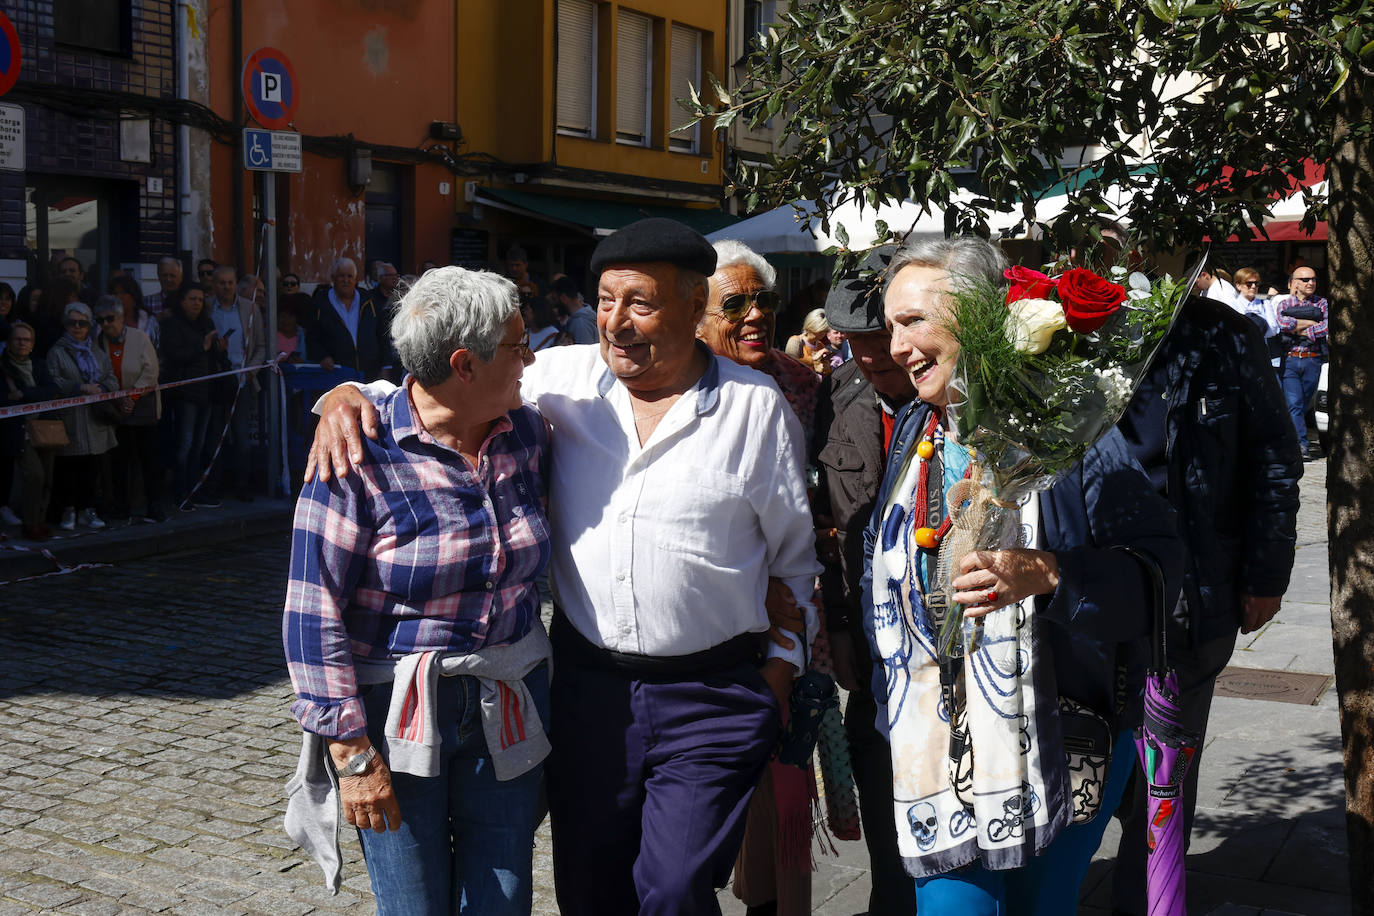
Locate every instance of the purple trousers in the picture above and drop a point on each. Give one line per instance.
(649, 783)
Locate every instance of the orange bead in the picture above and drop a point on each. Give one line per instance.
(927, 539)
(925, 448)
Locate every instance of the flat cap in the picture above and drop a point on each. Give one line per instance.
(855, 303)
(656, 239)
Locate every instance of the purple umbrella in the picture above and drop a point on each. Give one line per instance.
(1166, 750)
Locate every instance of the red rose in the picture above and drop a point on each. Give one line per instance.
(1027, 284)
(1088, 299)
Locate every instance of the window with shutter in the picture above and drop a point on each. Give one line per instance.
(684, 61)
(577, 67)
(633, 79)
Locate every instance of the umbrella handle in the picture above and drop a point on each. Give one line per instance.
(1159, 654)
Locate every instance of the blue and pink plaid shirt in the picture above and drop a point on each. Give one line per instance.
(414, 551)
(1316, 333)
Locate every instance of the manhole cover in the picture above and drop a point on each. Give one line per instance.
(1266, 684)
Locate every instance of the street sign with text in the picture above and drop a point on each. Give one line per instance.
(271, 150)
(11, 138)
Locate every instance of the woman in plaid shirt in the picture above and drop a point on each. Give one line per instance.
(412, 619)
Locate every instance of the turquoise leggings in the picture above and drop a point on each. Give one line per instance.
(1049, 885)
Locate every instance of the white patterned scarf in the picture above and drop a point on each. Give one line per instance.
(1020, 785)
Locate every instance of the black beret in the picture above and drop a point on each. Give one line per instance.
(855, 303)
(656, 239)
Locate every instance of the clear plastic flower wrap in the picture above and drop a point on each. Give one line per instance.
(1031, 394)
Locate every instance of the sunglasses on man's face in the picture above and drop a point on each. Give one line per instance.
(737, 306)
(106, 319)
(291, 284)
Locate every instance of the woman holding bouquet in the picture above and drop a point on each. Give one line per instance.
(990, 819)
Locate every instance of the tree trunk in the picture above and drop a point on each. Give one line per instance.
(1350, 472)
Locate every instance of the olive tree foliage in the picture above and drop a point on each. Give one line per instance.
(1202, 112)
(1199, 116)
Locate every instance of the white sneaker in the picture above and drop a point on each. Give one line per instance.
(91, 520)
(68, 522)
(7, 516)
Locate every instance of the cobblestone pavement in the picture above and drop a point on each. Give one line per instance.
(148, 740)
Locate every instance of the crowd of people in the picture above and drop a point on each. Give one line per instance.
(696, 578)
(1294, 326)
(138, 456)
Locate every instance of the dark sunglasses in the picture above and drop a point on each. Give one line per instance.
(737, 306)
(106, 319)
(77, 324)
(290, 283)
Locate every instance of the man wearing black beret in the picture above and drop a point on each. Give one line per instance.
(854, 418)
(676, 492)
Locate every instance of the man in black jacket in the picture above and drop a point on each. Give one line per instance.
(349, 328)
(1210, 426)
(854, 413)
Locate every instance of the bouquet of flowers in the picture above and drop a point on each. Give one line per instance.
(1045, 369)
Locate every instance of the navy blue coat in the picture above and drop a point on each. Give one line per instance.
(1224, 452)
(1101, 612)
(327, 335)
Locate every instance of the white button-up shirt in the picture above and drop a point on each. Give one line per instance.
(666, 549)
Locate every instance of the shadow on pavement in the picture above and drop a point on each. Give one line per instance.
(200, 623)
(1275, 843)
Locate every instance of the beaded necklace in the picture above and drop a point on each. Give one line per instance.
(926, 538)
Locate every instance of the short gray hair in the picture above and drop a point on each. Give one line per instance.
(79, 307)
(450, 309)
(688, 281)
(340, 262)
(730, 252)
(967, 258)
(108, 304)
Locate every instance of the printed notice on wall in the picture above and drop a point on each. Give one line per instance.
(11, 138)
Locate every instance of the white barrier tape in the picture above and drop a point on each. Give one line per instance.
(48, 555)
(21, 410)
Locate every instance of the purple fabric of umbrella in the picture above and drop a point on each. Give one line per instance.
(1166, 751)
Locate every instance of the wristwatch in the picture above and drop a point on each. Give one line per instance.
(358, 763)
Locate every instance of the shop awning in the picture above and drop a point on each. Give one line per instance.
(599, 217)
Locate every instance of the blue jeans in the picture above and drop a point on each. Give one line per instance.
(466, 841)
(190, 422)
(1049, 885)
(236, 446)
(1301, 374)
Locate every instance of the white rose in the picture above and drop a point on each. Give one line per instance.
(1032, 322)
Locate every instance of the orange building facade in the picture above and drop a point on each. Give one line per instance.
(451, 130)
(373, 76)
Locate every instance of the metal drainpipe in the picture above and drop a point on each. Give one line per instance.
(236, 166)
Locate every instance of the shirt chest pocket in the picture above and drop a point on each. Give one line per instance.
(699, 512)
(841, 455)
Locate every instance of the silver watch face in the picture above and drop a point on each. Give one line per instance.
(358, 762)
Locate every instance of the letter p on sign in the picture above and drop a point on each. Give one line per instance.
(271, 87)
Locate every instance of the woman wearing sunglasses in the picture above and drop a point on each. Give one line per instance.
(741, 320)
(79, 368)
